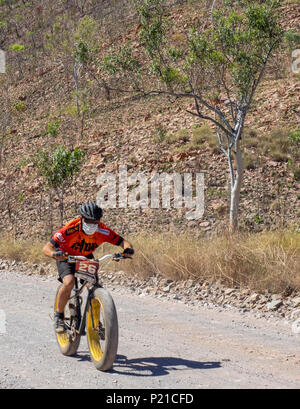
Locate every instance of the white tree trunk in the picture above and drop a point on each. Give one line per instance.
(236, 188)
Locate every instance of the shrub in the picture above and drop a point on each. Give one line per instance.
(294, 137)
(250, 138)
(260, 261)
(251, 161)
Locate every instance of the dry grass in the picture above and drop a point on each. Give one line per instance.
(267, 260)
(262, 261)
(21, 250)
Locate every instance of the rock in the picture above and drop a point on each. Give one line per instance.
(275, 297)
(42, 271)
(166, 289)
(229, 291)
(295, 315)
(253, 298)
(296, 301)
(189, 284)
(273, 305)
(262, 299)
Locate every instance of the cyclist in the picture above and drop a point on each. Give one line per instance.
(79, 237)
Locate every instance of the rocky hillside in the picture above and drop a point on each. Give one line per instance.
(148, 135)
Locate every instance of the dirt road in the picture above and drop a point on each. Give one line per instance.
(163, 344)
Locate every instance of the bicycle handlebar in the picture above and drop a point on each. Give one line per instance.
(114, 256)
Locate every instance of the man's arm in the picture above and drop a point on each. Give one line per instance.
(49, 249)
(126, 245)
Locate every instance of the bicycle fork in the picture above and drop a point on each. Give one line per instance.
(88, 304)
(100, 329)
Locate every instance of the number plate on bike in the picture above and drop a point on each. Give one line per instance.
(87, 270)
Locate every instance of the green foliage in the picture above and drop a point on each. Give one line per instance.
(200, 135)
(175, 53)
(251, 161)
(294, 167)
(120, 60)
(238, 42)
(17, 47)
(20, 106)
(22, 163)
(59, 168)
(292, 39)
(81, 52)
(153, 26)
(160, 133)
(258, 219)
(231, 54)
(181, 135)
(250, 138)
(21, 197)
(3, 2)
(85, 40)
(87, 30)
(294, 136)
(71, 109)
(242, 36)
(279, 145)
(59, 40)
(171, 75)
(52, 128)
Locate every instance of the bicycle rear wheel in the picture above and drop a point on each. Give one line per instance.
(69, 340)
(102, 330)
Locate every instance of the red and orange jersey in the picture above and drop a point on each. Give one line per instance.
(71, 239)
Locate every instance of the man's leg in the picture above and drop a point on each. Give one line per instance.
(65, 292)
(66, 276)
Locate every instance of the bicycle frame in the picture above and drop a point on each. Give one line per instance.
(91, 281)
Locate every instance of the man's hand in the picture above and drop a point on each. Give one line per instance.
(60, 255)
(128, 252)
(51, 251)
(127, 247)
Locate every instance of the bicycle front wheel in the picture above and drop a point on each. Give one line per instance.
(69, 340)
(102, 330)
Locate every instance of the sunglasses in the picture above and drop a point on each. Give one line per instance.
(89, 221)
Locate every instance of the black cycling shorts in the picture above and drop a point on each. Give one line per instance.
(64, 268)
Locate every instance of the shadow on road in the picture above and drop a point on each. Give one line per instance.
(151, 366)
(82, 356)
(157, 366)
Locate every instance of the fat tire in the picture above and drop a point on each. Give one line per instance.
(111, 330)
(69, 347)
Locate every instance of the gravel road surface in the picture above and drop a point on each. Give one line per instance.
(162, 344)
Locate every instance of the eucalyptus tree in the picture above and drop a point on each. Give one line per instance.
(217, 65)
(58, 168)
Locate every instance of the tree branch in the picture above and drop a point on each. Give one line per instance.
(210, 119)
(255, 84)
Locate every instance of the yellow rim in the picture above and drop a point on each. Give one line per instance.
(62, 338)
(93, 335)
